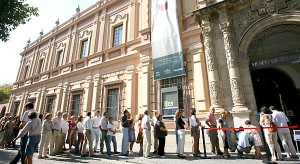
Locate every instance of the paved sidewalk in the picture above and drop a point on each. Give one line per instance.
(171, 158)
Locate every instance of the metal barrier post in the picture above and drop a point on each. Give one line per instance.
(204, 146)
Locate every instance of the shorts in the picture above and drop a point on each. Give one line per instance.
(32, 144)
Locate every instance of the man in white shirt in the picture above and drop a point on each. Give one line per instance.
(87, 124)
(284, 134)
(55, 138)
(96, 131)
(103, 128)
(153, 122)
(146, 134)
(64, 131)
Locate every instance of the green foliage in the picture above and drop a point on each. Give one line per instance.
(5, 92)
(12, 14)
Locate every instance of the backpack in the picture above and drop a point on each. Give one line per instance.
(273, 126)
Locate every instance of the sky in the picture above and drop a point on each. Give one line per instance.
(49, 12)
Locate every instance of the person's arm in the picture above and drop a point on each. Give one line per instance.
(25, 130)
(221, 126)
(207, 121)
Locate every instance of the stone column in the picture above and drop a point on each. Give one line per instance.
(65, 97)
(22, 104)
(86, 101)
(211, 63)
(95, 100)
(58, 98)
(239, 112)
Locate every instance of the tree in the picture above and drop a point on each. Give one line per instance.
(5, 90)
(12, 14)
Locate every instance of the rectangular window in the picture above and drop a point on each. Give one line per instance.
(118, 31)
(83, 52)
(15, 108)
(50, 105)
(59, 58)
(75, 106)
(25, 72)
(112, 103)
(40, 66)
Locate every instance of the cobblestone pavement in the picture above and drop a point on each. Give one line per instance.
(171, 158)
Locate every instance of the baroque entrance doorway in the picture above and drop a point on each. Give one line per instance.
(274, 87)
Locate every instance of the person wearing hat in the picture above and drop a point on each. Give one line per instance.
(146, 134)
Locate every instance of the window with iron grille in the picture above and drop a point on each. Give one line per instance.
(172, 87)
(75, 106)
(113, 103)
(83, 52)
(118, 31)
(59, 58)
(50, 105)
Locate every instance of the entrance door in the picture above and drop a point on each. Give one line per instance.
(112, 103)
(274, 88)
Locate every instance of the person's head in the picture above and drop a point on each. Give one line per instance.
(97, 114)
(32, 115)
(155, 112)
(80, 118)
(272, 108)
(241, 129)
(11, 118)
(129, 115)
(110, 120)
(212, 109)
(248, 122)
(141, 116)
(125, 112)
(29, 105)
(41, 116)
(178, 113)
(59, 114)
(265, 110)
(105, 114)
(146, 112)
(193, 112)
(223, 114)
(88, 114)
(159, 117)
(48, 116)
(65, 116)
(72, 118)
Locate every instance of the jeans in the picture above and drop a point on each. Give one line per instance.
(21, 152)
(113, 139)
(77, 145)
(32, 144)
(96, 136)
(125, 139)
(242, 150)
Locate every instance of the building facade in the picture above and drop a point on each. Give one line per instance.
(238, 56)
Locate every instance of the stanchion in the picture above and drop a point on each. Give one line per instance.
(204, 147)
(267, 148)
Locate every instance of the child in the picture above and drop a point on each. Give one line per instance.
(111, 136)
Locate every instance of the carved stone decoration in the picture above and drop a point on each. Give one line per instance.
(209, 48)
(297, 5)
(230, 55)
(237, 93)
(269, 7)
(215, 93)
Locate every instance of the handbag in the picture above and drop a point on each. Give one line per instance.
(273, 126)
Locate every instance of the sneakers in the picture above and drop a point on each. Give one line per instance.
(130, 152)
(162, 156)
(116, 152)
(147, 156)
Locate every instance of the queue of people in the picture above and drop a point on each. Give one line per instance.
(55, 132)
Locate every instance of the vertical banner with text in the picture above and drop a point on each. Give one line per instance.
(167, 53)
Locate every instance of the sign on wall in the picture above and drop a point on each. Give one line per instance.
(167, 53)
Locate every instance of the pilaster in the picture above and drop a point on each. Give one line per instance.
(103, 23)
(95, 99)
(65, 97)
(58, 98)
(211, 63)
(144, 84)
(87, 97)
(238, 96)
(42, 100)
(10, 103)
(95, 37)
(145, 14)
(132, 21)
(128, 90)
(22, 104)
(37, 101)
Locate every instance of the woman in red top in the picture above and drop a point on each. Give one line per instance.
(72, 132)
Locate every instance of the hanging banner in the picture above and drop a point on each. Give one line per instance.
(167, 56)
